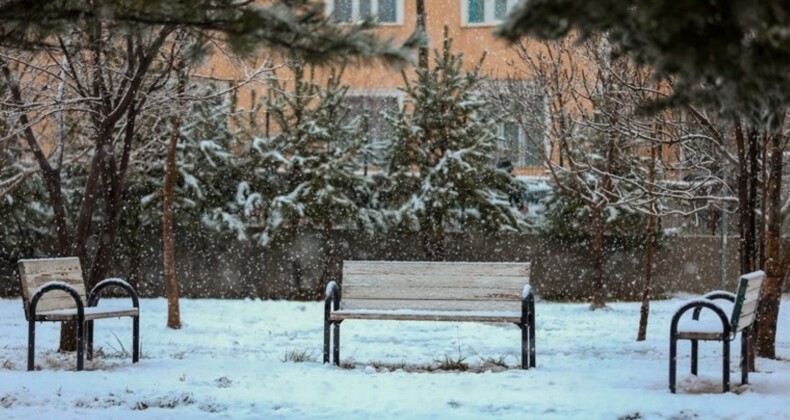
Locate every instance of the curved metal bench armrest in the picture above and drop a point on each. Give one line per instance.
(697, 306)
(332, 296)
(720, 294)
(48, 287)
(95, 294)
(715, 295)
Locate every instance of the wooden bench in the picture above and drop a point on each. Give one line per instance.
(432, 291)
(53, 290)
(720, 328)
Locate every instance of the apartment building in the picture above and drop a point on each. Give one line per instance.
(374, 87)
(470, 23)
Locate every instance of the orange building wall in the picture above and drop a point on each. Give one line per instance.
(470, 40)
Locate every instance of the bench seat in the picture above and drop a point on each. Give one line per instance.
(91, 313)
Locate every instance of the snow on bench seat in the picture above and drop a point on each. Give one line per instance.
(91, 313)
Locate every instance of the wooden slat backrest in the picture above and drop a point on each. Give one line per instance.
(745, 309)
(451, 286)
(36, 272)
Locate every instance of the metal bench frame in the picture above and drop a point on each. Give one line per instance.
(50, 277)
(740, 321)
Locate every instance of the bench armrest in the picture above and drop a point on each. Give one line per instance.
(712, 296)
(332, 299)
(95, 294)
(720, 294)
(55, 285)
(697, 305)
(527, 305)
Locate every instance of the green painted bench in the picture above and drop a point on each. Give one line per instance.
(721, 328)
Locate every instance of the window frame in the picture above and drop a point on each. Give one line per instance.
(489, 13)
(524, 155)
(355, 17)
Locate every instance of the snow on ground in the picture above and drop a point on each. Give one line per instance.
(228, 362)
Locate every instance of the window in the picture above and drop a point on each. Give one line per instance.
(518, 147)
(483, 12)
(386, 11)
(374, 106)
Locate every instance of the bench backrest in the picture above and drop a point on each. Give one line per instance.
(744, 311)
(35, 273)
(450, 286)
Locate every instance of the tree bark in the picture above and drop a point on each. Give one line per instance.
(422, 18)
(768, 312)
(168, 231)
(432, 234)
(598, 293)
(329, 258)
(647, 289)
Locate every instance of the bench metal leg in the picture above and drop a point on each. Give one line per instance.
(31, 344)
(525, 359)
(694, 355)
(327, 333)
(89, 338)
(745, 356)
(135, 339)
(725, 366)
(532, 337)
(80, 345)
(336, 347)
(673, 356)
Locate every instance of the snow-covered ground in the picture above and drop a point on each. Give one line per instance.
(230, 361)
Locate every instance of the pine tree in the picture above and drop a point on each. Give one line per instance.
(314, 163)
(441, 162)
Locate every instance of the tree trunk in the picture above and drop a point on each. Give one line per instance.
(432, 234)
(168, 230)
(422, 60)
(647, 289)
(598, 293)
(747, 176)
(329, 258)
(768, 312)
(168, 233)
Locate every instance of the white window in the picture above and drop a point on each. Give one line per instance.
(485, 12)
(518, 147)
(374, 106)
(386, 11)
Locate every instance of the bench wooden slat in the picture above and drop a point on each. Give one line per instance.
(697, 335)
(355, 291)
(426, 305)
(55, 300)
(436, 269)
(753, 292)
(400, 316)
(439, 281)
(90, 314)
(36, 273)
